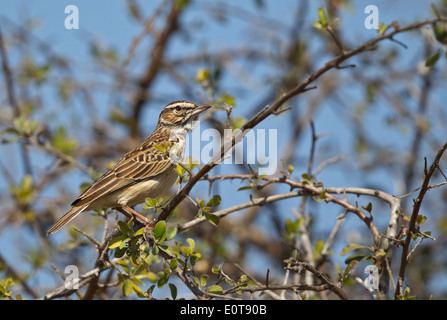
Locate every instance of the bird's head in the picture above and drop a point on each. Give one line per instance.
(180, 114)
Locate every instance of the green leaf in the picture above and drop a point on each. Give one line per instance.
(230, 281)
(352, 246)
(196, 282)
(243, 279)
(212, 218)
(200, 202)
(305, 176)
(180, 4)
(203, 280)
(11, 130)
(63, 143)
(440, 31)
(216, 269)
(24, 193)
(431, 60)
(290, 168)
(318, 198)
(317, 24)
(414, 236)
(175, 251)
(319, 245)
(139, 232)
(420, 219)
(185, 250)
(216, 289)
(238, 122)
(8, 283)
(152, 277)
(137, 290)
(171, 232)
(368, 207)
(119, 252)
(116, 242)
(356, 257)
(166, 249)
(25, 126)
(194, 257)
(163, 148)
(152, 203)
(173, 289)
(214, 201)
(180, 170)
(124, 228)
(163, 278)
(292, 226)
(245, 188)
(380, 253)
(192, 243)
(323, 17)
(203, 74)
(173, 264)
(123, 243)
(426, 234)
(227, 100)
(127, 287)
(382, 28)
(160, 229)
(348, 268)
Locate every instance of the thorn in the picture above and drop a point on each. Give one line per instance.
(267, 278)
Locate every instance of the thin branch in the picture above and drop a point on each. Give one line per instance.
(326, 194)
(328, 243)
(325, 279)
(191, 286)
(266, 286)
(253, 202)
(428, 188)
(7, 74)
(147, 27)
(413, 219)
(57, 153)
(83, 280)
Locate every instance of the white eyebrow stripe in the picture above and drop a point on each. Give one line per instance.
(183, 104)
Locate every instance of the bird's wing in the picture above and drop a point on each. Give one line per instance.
(147, 160)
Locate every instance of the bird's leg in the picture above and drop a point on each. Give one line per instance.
(123, 210)
(149, 223)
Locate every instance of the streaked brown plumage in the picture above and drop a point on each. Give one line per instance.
(144, 172)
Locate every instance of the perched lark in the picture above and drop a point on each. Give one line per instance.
(145, 172)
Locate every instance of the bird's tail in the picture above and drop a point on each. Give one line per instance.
(66, 218)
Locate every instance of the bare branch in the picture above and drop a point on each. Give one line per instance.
(413, 219)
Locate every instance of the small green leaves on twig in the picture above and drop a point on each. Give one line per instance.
(22, 127)
(205, 209)
(322, 23)
(203, 74)
(24, 192)
(358, 256)
(431, 60)
(440, 31)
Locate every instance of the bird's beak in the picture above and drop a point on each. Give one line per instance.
(200, 109)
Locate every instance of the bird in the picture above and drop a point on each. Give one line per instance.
(147, 171)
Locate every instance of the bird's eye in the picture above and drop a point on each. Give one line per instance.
(178, 108)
